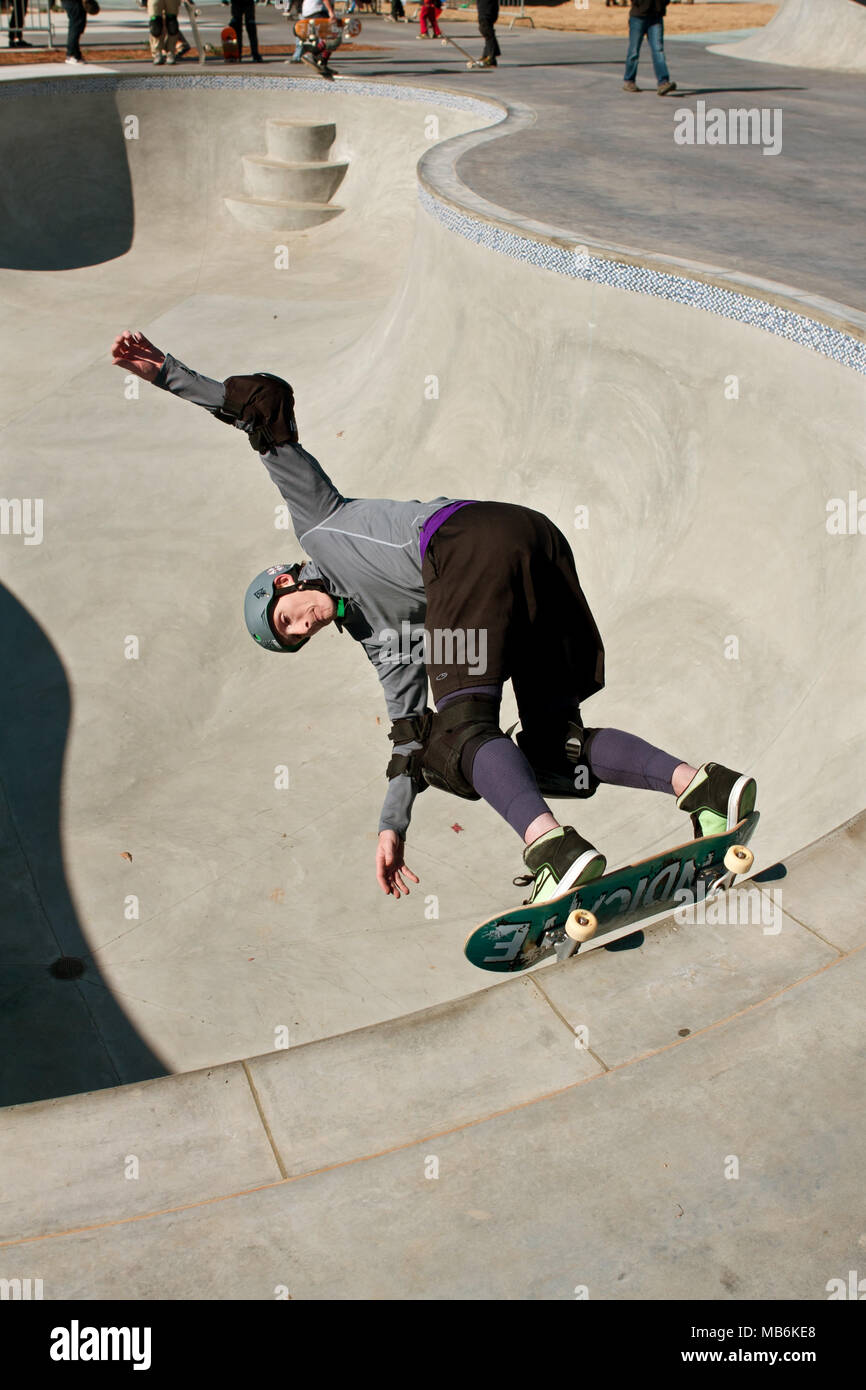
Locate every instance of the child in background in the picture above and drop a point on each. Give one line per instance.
(429, 13)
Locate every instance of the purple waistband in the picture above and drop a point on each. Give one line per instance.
(435, 521)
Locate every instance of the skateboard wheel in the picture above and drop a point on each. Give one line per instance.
(580, 925)
(739, 859)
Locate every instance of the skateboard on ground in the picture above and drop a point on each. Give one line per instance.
(472, 62)
(192, 15)
(614, 905)
(231, 53)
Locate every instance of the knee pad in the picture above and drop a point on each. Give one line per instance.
(460, 729)
(171, 24)
(560, 759)
(155, 26)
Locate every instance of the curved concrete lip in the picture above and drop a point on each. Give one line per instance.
(278, 217)
(664, 1060)
(317, 164)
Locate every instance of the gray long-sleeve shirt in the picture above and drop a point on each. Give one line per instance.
(366, 550)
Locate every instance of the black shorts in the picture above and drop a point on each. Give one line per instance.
(503, 593)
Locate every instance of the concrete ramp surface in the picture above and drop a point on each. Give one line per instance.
(195, 821)
(808, 34)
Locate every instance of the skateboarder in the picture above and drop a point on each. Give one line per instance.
(468, 594)
(307, 50)
(488, 13)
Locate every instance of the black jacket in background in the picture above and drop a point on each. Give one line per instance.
(648, 9)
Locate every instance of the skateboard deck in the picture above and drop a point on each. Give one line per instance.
(231, 53)
(472, 62)
(327, 29)
(192, 15)
(320, 26)
(614, 905)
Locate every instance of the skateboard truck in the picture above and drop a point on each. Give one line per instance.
(580, 925)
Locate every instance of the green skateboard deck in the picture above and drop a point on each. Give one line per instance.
(612, 906)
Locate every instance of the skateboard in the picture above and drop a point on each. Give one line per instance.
(192, 15)
(320, 36)
(327, 29)
(231, 53)
(320, 27)
(473, 62)
(614, 905)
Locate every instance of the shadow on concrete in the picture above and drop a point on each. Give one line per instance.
(730, 91)
(65, 190)
(57, 1035)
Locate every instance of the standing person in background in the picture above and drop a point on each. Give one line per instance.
(164, 29)
(429, 14)
(488, 13)
(16, 25)
(398, 14)
(77, 17)
(244, 11)
(647, 19)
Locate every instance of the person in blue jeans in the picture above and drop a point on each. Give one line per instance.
(647, 20)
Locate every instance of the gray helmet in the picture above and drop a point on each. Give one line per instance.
(261, 596)
(259, 600)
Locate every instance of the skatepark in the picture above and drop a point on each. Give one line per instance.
(189, 825)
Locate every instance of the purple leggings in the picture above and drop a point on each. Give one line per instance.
(503, 776)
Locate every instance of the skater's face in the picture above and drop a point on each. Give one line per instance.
(301, 613)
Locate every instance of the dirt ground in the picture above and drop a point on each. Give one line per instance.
(598, 19)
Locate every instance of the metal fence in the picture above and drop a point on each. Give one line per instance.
(519, 9)
(37, 20)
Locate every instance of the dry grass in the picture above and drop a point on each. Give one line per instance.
(598, 19)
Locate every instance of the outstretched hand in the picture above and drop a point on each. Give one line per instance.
(133, 352)
(390, 866)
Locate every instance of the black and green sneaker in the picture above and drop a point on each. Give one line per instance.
(558, 861)
(717, 799)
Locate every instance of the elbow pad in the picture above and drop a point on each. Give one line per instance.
(267, 404)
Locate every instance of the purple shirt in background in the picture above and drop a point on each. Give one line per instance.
(435, 521)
